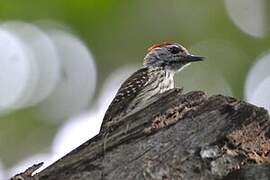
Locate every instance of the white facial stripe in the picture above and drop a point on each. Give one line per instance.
(156, 52)
(170, 46)
(181, 47)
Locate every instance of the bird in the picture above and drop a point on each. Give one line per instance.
(161, 63)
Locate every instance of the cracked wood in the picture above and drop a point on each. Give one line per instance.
(179, 136)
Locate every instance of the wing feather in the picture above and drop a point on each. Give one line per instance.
(126, 94)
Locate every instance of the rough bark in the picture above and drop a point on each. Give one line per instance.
(179, 136)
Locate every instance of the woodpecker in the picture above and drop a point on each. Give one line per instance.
(160, 64)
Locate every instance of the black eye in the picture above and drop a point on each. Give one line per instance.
(174, 50)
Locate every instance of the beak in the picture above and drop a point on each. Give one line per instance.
(193, 58)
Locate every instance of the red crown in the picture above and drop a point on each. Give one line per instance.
(159, 45)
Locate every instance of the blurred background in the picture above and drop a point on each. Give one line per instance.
(61, 63)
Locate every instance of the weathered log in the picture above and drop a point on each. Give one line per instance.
(179, 136)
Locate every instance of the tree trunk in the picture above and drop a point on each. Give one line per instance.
(179, 136)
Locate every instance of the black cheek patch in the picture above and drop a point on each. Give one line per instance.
(174, 50)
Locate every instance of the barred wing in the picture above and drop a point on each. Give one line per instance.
(125, 95)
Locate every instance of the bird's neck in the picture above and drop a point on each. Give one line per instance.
(169, 80)
(169, 74)
(163, 77)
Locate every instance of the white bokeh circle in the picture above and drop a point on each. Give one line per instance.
(261, 95)
(257, 85)
(258, 72)
(248, 15)
(45, 56)
(77, 81)
(18, 71)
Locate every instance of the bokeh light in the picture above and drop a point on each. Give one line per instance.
(261, 95)
(61, 63)
(257, 73)
(77, 78)
(80, 128)
(45, 58)
(249, 16)
(47, 68)
(257, 87)
(2, 172)
(17, 71)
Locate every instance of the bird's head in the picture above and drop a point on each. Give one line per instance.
(171, 56)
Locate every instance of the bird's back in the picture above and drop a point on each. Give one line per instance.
(136, 91)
